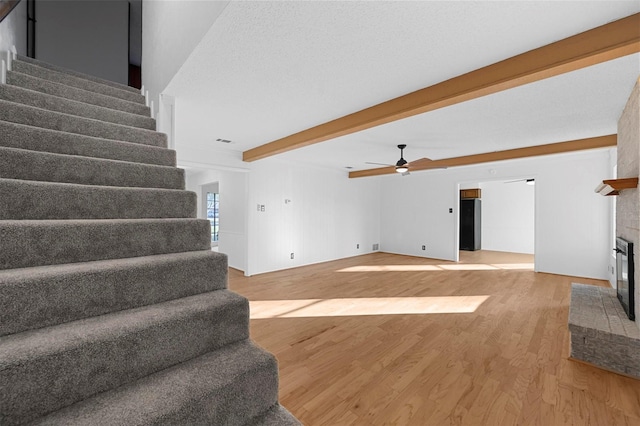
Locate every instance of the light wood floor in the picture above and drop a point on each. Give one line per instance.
(486, 344)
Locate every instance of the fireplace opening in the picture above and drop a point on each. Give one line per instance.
(625, 281)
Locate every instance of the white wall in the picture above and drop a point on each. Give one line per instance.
(170, 32)
(572, 223)
(508, 217)
(326, 217)
(233, 211)
(13, 30)
(328, 214)
(87, 36)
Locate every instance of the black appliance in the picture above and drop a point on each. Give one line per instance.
(470, 224)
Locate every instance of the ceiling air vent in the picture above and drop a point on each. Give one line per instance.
(223, 140)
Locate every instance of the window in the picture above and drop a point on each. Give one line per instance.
(213, 214)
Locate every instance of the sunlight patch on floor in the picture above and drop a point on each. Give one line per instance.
(444, 267)
(261, 309)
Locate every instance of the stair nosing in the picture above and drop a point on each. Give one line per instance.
(81, 136)
(79, 103)
(75, 73)
(80, 118)
(253, 359)
(91, 265)
(97, 159)
(60, 337)
(88, 81)
(84, 90)
(121, 126)
(84, 279)
(90, 186)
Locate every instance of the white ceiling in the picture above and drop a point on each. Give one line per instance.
(268, 69)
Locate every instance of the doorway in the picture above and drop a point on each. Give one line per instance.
(500, 215)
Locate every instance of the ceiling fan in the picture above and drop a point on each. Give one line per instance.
(529, 181)
(402, 166)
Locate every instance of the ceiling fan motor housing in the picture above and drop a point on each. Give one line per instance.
(401, 162)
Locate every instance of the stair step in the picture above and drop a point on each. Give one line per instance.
(276, 416)
(31, 116)
(14, 135)
(80, 83)
(37, 297)
(45, 86)
(51, 368)
(54, 103)
(77, 74)
(27, 243)
(47, 167)
(227, 387)
(33, 200)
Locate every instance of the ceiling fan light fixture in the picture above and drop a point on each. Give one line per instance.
(402, 169)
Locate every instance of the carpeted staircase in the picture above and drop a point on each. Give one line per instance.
(113, 309)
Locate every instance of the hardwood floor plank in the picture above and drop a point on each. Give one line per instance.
(501, 360)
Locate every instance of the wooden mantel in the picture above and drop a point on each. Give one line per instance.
(614, 186)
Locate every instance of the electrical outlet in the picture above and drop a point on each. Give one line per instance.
(450, 210)
(424, 247)
(357, 246)
(291, 255)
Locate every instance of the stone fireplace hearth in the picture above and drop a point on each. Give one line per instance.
(601, 333)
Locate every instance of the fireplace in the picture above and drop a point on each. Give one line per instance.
(625, 282)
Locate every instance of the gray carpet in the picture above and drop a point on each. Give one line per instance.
(113, 309)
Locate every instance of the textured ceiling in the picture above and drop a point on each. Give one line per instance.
(269, 69)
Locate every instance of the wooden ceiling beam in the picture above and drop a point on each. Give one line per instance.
(613, 40)
(510, 154)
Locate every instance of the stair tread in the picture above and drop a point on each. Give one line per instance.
(16, 163)
(61, 200)
(50, 271)
(73, 81)
(31, 82)
(167, 397)
(47, 295)
(16, 349)
(49, 242)
(111, 350)
(42, 100)
(25, 114)
(22, 136)
(77, 73)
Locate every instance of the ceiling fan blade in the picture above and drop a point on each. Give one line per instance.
(421, 162)
(521, 180)
(379, 164)
(424, 164)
